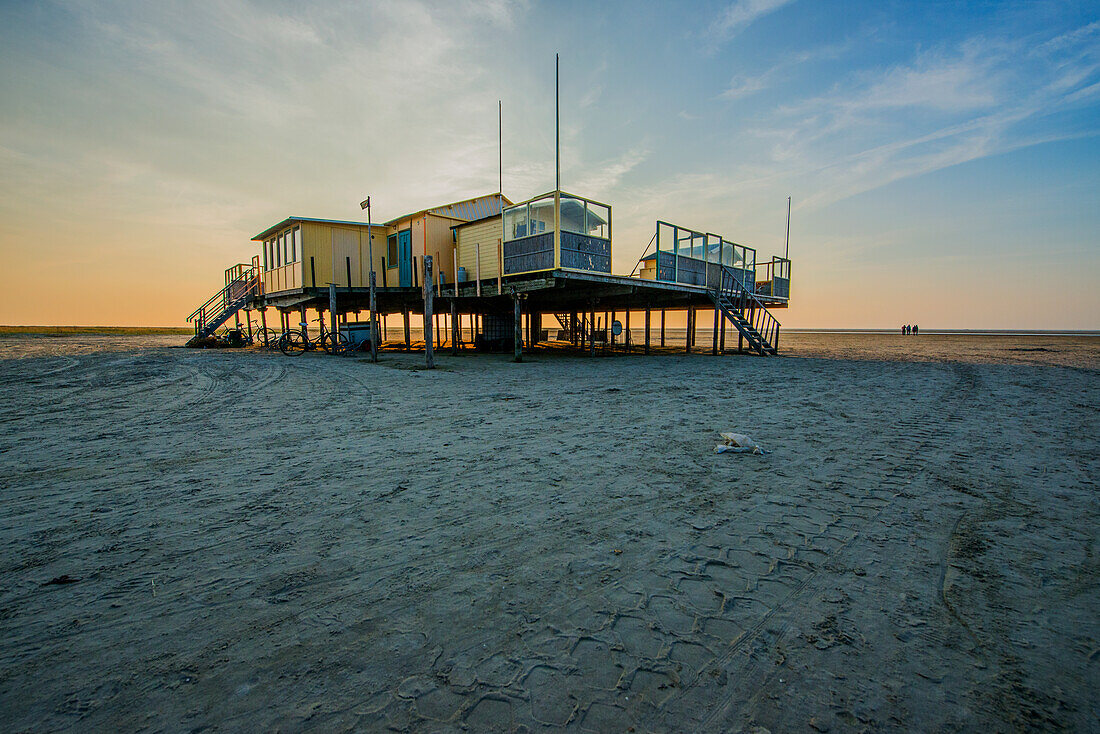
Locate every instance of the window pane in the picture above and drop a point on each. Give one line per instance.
(515, 222)
(714, 248)
(597, 220)
(541, 216)
(666, 237)
(295, 245)
(391, 251)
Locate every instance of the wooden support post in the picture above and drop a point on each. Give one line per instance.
(647, 310)
(248, 320)
(332, 311)
(714, 346)
(517, 335)
(626, 331)
(408, 331)
(456, 272)
(263, 323)
(662, 327)
(384, 268)
(416, 274)
(690, 328)
(592, 335)
(305, 324)
(374, 337)
(722, 336)
(456, 327)
(347, 262)
(429, 356)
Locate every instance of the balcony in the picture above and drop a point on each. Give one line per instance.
(557, 231)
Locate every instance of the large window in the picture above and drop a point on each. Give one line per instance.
(283, 248)
(391, 251)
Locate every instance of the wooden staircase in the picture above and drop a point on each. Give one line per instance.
(738, 303)
(242, 283)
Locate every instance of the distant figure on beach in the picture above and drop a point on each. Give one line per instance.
(914, 330)
(904, 330)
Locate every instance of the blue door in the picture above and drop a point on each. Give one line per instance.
(405, 257)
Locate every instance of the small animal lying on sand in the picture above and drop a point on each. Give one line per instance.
(738, 443)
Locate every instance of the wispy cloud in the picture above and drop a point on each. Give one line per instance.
(942, 108)
(739, 15)
(744, 85)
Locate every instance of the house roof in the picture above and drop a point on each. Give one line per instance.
(290, 220)
(475, 221)
(477, 207)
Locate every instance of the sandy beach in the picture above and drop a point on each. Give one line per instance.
(255, 542)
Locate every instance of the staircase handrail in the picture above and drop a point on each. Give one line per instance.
(763, 321)
(248, 277)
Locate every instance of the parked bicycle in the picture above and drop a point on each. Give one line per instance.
(297, 341)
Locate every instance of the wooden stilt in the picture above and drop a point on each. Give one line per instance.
(626, 331)
(592, 335)
(408, 331)
(722, 336)
(455, 326)
(690, 328)
(647, 312)
(714, 346)
(662, 327)
(429, 355)
(263, 321)
(375, 338)
(517, 336)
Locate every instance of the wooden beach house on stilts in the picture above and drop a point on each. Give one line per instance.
(503, 271)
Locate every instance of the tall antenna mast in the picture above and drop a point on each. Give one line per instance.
(557, 130)
(787, 249)
(500, 148)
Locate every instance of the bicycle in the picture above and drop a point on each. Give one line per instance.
(297, 341)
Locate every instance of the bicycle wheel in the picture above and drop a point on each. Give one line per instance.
(292, 343)
(335, 343)
(268, 337)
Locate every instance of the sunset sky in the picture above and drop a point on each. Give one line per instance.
(943, 158)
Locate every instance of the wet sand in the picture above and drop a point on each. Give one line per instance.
(258, 542)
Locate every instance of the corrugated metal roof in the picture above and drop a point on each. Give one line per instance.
(478, 207)
(476, 221)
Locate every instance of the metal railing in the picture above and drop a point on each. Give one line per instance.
(751, 308)
(242, 282)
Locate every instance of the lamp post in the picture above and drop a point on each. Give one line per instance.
(365, 204)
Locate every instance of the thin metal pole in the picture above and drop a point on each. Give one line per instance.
(557, 129)
(787, 249)
(500, 149)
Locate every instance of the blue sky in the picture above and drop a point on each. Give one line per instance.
(943, 158)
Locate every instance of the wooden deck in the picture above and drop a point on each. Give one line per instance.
(556, 291)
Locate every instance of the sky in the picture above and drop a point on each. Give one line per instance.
(942, 158)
